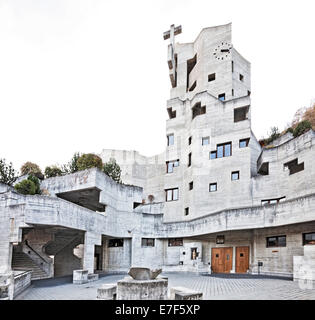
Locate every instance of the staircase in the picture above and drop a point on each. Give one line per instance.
(21, 261)
(60, 242)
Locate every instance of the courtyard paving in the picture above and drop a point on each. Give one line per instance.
(213, 288)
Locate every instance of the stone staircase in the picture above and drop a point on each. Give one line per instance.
(21, 261)
(60, 242)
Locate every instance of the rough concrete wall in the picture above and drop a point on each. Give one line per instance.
(65, 262)
(117, 259)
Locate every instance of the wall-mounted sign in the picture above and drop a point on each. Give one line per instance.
(220, 240)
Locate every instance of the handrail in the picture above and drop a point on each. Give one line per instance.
(25, 242)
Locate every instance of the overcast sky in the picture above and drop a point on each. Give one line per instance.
(87, 75)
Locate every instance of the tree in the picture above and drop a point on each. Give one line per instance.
(26, 186)
(72, 165)
(36, 182)
(112, 169)
(33, 169)
(89, 160)
(7, 173)
(53, 171)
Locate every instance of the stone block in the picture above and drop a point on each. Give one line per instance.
(80, 276)
(139, 273)
(107, 291)
(182, 293)
(130, 289)
(92, 277)
(4, 292)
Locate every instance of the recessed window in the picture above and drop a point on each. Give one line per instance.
(308, 238)
(205, 141)
(232, 66)
(170, 165)
(293, 166)
(224, 150)
(175, 242)
(221, 96)
(232, 92)
(213, 155)
(212, 187)
(211, 77)
(171, 194)
(171, 113)
(241, 77)
(241, 114)
(197, 110)
(186, 211)
(170, 139)
(189, 140)
(189, 159)
(244, 143)
(235, 175)
(264, 169)
(147, 242)
(276, 241)
(115, 243)
(191, 185)
(272, 201)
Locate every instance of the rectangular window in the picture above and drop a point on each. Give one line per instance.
(308, 238)
(115, 243)
(189, 141)
(171, 164)
(170, 139)
(235, 175)
(189, 160)
(186, 211)
(276, 241)
(147, 242)
(191, 185)
(272, 201)
(221, 96)
(171, 194)
(293, 166)
(211, 77)
(244, 143)
(175, 242)
(205, 141)
(212, 187)
(241, 114)
(224, 150)
(171, 113)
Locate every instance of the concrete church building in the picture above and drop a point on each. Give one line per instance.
(213, 200)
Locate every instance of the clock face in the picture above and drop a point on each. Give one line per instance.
(222, 51)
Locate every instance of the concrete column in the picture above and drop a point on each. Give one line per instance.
(234, 260)
(5, 245)
(90, 240)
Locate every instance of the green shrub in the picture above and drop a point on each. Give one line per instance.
(36, 182)
(72, 165)
(301, 128)
(53, 171)
(33, 169)
(7, 173)
(89, 160)
(112, 169)
(289, 130)
(26, 187)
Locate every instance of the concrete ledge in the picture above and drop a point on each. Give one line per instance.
(182, 293)
(80, 276)
(107, 291)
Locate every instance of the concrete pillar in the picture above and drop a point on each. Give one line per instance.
(233, 260)
(90, 240)
(5, 245)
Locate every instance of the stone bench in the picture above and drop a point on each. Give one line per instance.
(92, 277)
(107, 291)
(182, 293)
(83, 276)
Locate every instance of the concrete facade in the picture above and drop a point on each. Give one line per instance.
(213, 187)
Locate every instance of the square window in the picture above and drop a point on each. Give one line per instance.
(221, 96)
(309, 238)
(213, 155)
(211, 77)
(205, 141)
(170, 139)
(235, 175)
(212, 187)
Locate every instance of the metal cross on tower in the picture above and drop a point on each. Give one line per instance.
(170, 34)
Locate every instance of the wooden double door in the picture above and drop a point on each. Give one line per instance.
(222, 260)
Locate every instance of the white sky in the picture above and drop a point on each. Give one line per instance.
(83, 75)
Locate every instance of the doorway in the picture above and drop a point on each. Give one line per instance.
(221, 260)
(242, 259)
